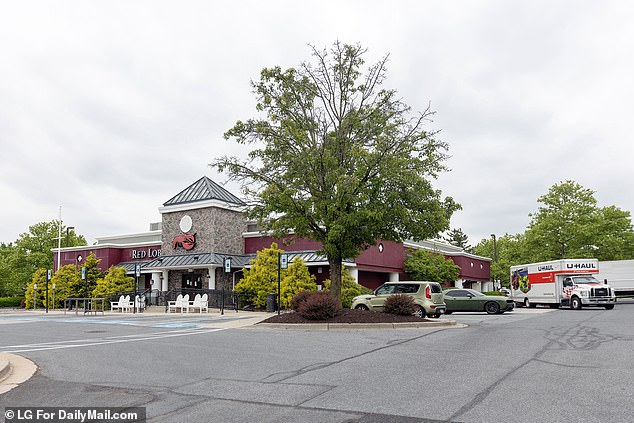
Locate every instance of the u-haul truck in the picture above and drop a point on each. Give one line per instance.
(566, 283)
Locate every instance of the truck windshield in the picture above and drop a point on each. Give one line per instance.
(584, 279)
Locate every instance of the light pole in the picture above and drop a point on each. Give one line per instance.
(59, 238)
(495, 255)
(34, 295)
(68, 228)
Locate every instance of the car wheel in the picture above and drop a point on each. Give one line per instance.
(575, 303)
(361, 307)
(420, 312)
(528, 304)
(492, 307)
(609, 306)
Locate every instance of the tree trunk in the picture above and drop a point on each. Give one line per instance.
(335, 278)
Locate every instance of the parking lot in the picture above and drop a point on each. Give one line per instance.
(537, 365)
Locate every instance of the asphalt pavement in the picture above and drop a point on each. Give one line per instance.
(536, 365)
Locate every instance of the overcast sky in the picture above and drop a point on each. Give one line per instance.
(110, 108)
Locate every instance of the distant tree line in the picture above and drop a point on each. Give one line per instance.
(567, 224)
(20, 259)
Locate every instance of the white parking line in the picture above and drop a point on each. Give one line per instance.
(77, 343)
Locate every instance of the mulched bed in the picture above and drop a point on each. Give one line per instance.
(345, 315)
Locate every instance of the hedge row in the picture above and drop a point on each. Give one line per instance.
(11, 301)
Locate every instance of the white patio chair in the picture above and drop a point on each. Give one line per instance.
(184, 303)
(174, 304)
(117, 305)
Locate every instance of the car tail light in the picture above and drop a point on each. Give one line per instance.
(428, 292)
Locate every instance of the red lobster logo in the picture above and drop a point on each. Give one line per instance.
(187, 241)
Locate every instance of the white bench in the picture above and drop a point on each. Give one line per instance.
(122, 305)
(181, 303)
(200, 303)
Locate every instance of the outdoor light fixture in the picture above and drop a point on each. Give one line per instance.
(68, 228)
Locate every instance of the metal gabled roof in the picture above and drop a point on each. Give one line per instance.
(203, 189)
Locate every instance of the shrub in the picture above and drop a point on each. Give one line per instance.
(296, 278)
(318, 306)
(400, 304)
(11, 301)
(299, 298)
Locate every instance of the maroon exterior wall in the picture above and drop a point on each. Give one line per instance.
(253, 245)
(472, 268)
(373, 280)
(109, 256)
(391, 259)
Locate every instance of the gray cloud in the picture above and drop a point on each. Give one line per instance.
(110, 109)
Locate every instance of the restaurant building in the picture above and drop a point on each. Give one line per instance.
(204, 242)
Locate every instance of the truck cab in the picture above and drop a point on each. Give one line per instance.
(585, 290)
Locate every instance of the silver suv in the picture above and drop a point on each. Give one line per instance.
(428, 296)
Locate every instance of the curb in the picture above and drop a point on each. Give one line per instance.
(5, 369)
(15, 370)
(335, 326)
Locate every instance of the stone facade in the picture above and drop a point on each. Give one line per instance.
(225, 280)
(217, 230)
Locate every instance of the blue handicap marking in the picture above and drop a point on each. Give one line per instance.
(176, 325)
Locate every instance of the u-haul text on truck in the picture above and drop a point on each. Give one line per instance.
(560, 283)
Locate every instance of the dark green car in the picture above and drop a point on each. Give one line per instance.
(461, 299)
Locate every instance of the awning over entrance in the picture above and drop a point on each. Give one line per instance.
(129, 266)
(210, 259)
(202, 259)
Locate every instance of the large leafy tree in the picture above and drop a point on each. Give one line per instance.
(564, 223)
(429, 266)
(33, 250)
(37, 243)
(13, 270)
(338, 158)
(569, 224)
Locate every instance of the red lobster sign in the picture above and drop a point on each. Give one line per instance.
(187, 241)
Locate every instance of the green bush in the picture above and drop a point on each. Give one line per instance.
(318, 306)
(400, 304)
(11, 301)
(501, 294)
(261, 278)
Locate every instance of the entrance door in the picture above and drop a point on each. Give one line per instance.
(192, 281)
